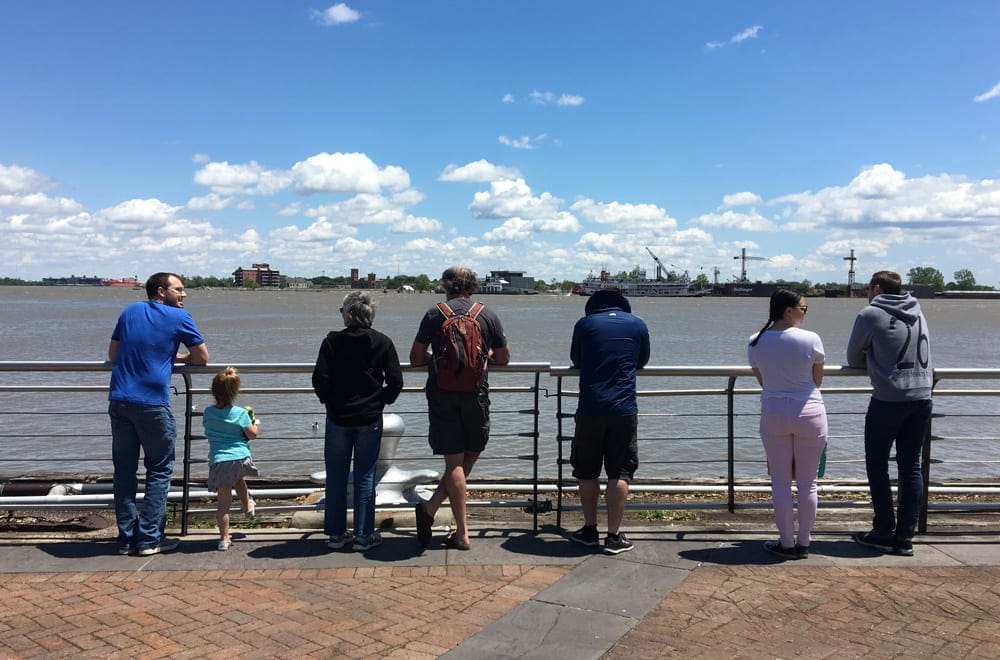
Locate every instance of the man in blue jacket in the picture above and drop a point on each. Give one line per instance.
(609, 346)
(890, 338)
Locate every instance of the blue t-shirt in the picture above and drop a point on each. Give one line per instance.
(609, 346)
(148, 335)
(224, 430)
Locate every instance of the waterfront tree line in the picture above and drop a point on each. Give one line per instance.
(964, 280)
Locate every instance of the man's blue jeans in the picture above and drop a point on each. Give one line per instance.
(341, 441)
(904, 422)
(153, 429)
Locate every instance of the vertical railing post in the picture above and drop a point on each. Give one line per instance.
(731, 443)
(925, 471)
(559, 453)
(534, 463)
(186, 486)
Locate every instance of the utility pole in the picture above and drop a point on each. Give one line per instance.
(850, 274)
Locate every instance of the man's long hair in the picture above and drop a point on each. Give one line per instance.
(459, 281)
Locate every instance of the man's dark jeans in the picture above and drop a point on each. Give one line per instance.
(904, 422)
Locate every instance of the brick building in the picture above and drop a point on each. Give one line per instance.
(261, 274)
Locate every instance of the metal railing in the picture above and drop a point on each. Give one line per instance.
(684, 446)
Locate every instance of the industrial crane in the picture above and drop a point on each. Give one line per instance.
(743, 264)
(660, 268)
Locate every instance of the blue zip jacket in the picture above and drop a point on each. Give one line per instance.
(609, 346)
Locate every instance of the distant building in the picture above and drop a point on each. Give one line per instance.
(261, 274)
(298, 283)
(507, 281)
(370, 283)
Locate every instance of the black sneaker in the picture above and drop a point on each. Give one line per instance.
(902, 547)
(586, 535)
(873, 539)
(775, 548)
(802, 551)
(615, 544)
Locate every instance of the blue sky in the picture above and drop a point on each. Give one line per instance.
(553, 137)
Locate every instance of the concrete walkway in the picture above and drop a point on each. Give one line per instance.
(680, 593)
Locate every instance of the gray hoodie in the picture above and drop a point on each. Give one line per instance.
(890, 338)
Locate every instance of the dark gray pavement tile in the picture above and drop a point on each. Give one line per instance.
(544, 631)
(614, 586)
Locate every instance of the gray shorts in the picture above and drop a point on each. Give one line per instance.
(226, 474)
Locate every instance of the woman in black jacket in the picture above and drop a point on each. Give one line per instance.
(357, 374)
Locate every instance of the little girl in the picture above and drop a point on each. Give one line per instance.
(229, 430)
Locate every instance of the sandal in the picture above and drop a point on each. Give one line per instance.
(452, 543)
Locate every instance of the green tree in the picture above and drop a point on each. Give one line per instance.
(927, 276)
(702, 282)
(964, 280)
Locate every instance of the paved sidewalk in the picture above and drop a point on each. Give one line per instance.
(690, 593)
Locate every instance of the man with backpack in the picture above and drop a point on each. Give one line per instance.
(456, 338)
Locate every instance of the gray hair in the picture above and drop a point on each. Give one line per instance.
(359, 308)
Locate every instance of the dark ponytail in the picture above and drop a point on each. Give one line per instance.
(781, 300)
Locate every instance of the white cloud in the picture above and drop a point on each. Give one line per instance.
(541, 98)
(508, 98)
(412, 224)
(19, 180)
(877, 181)
(991, 94)
(523, 142)
(942, 206)
(749, 33)
(337, 14)
(741, 199)
(201, 159)
(345, 172)
(547, 98)
(752, 221)
(241, 179)
(512, 198)
(624, 215)
(210, 202)
(40, 203)
(138, 213)
(480, 171)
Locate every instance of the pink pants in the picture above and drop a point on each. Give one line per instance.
(794, 435)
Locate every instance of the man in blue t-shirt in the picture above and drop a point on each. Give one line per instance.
(609, 346)
(143, 350)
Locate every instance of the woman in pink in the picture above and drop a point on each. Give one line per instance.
(788, 364)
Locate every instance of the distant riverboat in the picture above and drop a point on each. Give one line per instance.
(638, 286)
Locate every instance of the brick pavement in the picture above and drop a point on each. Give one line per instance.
(350, 612)
(820, 612)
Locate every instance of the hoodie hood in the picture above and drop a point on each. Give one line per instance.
(902, 306)
(607, 299)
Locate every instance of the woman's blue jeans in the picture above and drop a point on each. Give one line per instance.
(905, 424)
(136, 426)
(341, 441)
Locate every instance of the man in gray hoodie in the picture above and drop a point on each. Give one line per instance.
(890, 339)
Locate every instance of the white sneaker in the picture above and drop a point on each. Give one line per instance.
(224, 545)
(165, 545)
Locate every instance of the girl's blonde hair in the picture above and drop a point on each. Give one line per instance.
(225, 387)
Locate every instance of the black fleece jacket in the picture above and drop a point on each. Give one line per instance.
(357, 374)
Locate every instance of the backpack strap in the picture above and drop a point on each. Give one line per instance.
(475, 309)
(447, 311)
